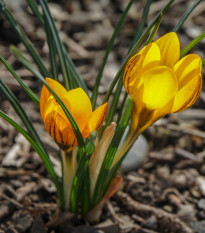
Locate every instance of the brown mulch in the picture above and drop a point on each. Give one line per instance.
(166, 194)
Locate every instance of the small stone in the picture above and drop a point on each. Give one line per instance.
(201, 182)
(186, 213)
(136, 155)
(151, 223)
(201, 204)
(179, 181)
(198, 226)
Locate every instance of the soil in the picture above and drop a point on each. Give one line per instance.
(167, 193)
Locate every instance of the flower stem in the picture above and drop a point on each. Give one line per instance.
(69, 164)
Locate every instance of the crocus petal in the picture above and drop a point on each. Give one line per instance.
(150, 56)
(186, 66)
(80, 107)
(160, 86)
(98, 117)
(170, 49)
(131, 73)
(45, 94)
(188, 72)
(60, 130)
(147, 58)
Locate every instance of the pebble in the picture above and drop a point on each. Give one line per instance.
(201, 203)
(136, 155)
(198, 226)
(201, 182)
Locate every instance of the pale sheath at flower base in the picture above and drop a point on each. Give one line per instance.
(79, 105)
(159, 83)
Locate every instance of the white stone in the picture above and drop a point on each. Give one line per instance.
(136, 155)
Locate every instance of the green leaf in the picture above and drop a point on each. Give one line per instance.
(58, 42)
(86, 193)
(99, 76)
(41, 78)
(35, 10)
(134, 49)
(52, 52)
(38, 149)
(142, 25)
(154, 30)
(26, 62)
(185, 16)
(75, 76)
(80, 176)
(114, 104)
(101, 185)
(25, 86)
(30, 48)
(21, 113)
(191, 45)
(120, 111)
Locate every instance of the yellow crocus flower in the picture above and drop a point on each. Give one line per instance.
(159, 83)
(79, 105)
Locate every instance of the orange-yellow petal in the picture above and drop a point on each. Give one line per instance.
(98, 117)
(60, 130)
(80, 107)
(169, 46)
(147, 58)
(160, 86)
(131, 73)
(45, 94)
(188, 72)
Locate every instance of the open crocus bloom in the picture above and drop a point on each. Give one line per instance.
(160, 82)
(79, 105)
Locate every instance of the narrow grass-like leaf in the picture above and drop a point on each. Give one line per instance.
(30, 48)
(143, 23)
(58, 43)
(135, 38)
(75, 76)
(114, 104)
(35, 10)
(154, 30)
(52, 52)
(185, 16)
(77, 191)
(86, 193)
(21, 113)
(99, 76)
(191, 45)
(38, 149)
(41, 78)
(133, 51)
(203, 62)
(26, 62)
(119, 113)
(25, 86)
(104, 171)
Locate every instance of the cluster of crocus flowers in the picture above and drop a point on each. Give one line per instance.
(79, 105)
(159, 83)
